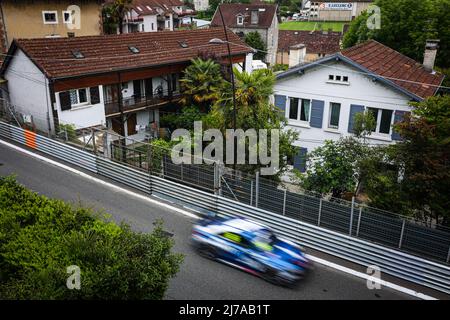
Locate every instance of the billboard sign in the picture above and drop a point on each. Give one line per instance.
(336, 6)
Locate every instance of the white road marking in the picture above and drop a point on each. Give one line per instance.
(191, 215)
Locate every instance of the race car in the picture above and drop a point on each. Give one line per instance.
(252, 247)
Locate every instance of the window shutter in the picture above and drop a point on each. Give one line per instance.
(398, 117)
(280, 102)
(316, 113)
(300, 160)
(354, 109)
(95, 95)
(64, 100)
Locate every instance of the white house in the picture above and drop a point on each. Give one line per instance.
(116, 81)
(320, 99)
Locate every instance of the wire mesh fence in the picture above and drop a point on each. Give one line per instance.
(376, 225)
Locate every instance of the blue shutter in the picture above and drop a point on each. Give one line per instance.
(280, 102)
(354, 109)
(316, 113)
(300, 160)
(398, 116)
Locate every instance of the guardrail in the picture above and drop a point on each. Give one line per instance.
(400, 264)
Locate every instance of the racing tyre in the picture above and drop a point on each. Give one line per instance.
(207, 252)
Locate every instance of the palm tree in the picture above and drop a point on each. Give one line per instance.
(201, 84)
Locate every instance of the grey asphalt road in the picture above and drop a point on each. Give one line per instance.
(198, 278)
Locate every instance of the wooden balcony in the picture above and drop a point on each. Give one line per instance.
(136, 103)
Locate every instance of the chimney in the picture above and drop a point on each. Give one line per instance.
(429, 56)
(297, 54)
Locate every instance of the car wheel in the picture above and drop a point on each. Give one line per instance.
(207, 252)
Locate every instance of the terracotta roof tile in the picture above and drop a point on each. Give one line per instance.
(315, 42)
(403, 71)
(230, 11)
(111, 52)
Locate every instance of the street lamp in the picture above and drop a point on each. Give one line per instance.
(219, 41)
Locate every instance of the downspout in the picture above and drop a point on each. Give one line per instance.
(48, 107)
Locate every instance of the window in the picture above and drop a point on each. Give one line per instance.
(240, 20)
(299, 109)
(335, 110)
(304, 112)
(78, 97)
(293, 108)
(133, 49)
(254, 17)
(383, 120)
(67, 17)
(50, 17)
(337, 78)
(77, 54)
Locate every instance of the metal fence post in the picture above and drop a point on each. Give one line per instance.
(320, 212)
(284, 202)
(251, 192)
(351, 217)
(401, 234)
(257, 189)
(182, 172)
(448, 255)
(93, 141)
(359, 221)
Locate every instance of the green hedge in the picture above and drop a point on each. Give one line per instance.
(41, 237)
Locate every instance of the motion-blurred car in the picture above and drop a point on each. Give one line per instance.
(252, 247)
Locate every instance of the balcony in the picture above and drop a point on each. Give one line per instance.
(135, 102)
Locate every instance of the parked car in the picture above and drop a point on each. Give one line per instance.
(252, 247)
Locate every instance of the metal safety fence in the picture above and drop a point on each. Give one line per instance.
(349, 232)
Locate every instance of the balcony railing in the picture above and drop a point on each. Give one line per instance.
(138, 101)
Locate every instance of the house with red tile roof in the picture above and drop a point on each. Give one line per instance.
(115, 81)
(320, 99)
(243, 18)
(316, 44)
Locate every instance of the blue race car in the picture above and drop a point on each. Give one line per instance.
(251, 247)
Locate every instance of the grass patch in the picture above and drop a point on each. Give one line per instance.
(312, 25)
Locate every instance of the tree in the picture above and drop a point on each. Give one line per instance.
(114, 14)
(254, 40)
(201, 84)
(254, 111)
(424, 156)
(412, 25)
(40, 238)
(334, 168)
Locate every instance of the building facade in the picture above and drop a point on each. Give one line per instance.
(90, 87)
(245, 18)
(44, 18)
(320, 99)
(337, 10)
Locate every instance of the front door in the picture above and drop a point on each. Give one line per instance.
(117, 125)
(131, 124)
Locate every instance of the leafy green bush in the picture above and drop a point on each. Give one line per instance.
(40, 238)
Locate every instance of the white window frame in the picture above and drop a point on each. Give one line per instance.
(70, 16)
(335, 81)
(240, 20)
(299, 112)
(44, 12)
(330, 126)
(378, 122)
(82, 104)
